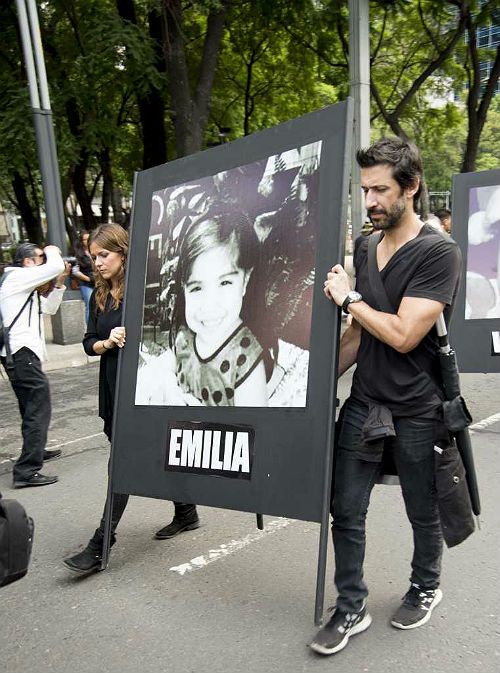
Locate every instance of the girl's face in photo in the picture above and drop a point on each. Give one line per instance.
(107, 262)
(214, 294)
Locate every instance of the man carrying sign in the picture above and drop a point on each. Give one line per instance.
(395, 401)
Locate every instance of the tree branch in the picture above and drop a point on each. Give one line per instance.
(381, 37)
(432, 67)
(300, 40)
(211, 47)
(489, 91)
(391, 119)
(426, 27)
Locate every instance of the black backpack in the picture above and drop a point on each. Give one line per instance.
(16, 540)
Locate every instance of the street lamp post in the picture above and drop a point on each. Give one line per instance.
(359, 73)
(42, 119)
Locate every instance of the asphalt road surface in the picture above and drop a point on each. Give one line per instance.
(227, 597)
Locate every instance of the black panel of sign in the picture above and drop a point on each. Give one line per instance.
(476, 228)
(227, 384)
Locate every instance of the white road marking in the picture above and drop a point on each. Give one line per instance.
(231, 547)
(273, 525)
(70, 441)
(485, 423)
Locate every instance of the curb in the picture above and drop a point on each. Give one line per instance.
(73, 360)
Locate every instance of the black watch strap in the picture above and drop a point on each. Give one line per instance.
(351, 298)
(346, 303)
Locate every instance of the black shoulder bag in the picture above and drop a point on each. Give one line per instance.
(454, 501)
(16, 540)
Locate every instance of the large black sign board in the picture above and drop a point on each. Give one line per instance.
(475, 328)
(290, 446)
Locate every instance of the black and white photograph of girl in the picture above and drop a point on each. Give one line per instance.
(229, 284)
(482, 298)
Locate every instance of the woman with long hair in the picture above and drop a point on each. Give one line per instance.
(83, 270)
(105, 335)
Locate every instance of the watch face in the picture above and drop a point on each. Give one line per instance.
(355, 296)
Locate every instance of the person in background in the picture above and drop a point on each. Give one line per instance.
(33, 285)
(434, 222)
(83, 270)
(444, 216)
(105, 336)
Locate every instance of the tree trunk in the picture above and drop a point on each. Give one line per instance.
(249, 106)
(151, 105)
(191, 111)
(477, 104)
(82, 195)
(471, 147)
(116, 204)
(107, 183)
(29, 215)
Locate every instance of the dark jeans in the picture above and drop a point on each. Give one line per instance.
(413, 454)
(33, 396)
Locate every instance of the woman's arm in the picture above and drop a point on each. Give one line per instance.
(253, 391)
(81, 276)
(116, 339)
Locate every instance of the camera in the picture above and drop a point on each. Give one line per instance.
(70, 260)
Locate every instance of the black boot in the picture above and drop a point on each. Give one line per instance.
(185, 518)
(88, 560)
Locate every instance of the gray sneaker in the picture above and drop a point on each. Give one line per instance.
(416, 608)
(335, 635)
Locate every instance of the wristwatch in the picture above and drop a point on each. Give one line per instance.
(352, 297)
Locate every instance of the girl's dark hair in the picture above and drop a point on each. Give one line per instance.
(404, 158)
(210, 231)
(22, 252)
(215, 228)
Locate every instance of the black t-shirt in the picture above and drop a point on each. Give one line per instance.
(428, 266)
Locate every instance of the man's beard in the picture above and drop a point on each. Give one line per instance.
(392, 216)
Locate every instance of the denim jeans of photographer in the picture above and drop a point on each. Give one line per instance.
(413, 454)
(86, 291)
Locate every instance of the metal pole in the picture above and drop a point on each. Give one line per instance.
(38, 50)
(28, 54)
(359, 73)
(42, 120)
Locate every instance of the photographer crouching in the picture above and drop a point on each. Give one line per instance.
(33, 285)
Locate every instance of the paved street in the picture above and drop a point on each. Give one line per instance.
(248, 605)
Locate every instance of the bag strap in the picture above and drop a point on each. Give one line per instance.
(376, 284)
(2, 278)
(22, 308)
(9, 362)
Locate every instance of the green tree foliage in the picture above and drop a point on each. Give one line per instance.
(263, 78)
(19, 183)
(489, 151)
(136, 82)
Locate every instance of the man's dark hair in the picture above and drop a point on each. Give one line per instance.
(23, 251)
(443, 213)
(404, 158)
